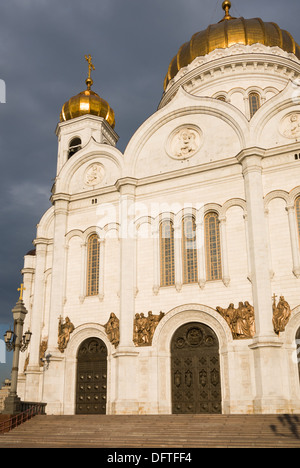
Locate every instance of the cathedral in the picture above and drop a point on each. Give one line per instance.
(166, 280)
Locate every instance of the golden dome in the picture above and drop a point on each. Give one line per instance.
(87, 102)
(227, 32)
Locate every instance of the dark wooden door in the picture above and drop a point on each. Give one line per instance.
(91, 388)
(195, 370)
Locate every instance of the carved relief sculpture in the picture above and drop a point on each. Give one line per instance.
(112, 328)
(290, 126)
(184, 142)
(94, 175)
(241, 321)
(64, 333)
(281, 314)
(144, 328)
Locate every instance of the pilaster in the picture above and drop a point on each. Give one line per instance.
(126, 367)
(266, 346)
(33, 372)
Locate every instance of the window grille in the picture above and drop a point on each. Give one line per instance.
(167, 262)
(93, 262)
(189, 250)
(212, 247)
(254, 103)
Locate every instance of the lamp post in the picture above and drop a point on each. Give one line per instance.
(16, 342)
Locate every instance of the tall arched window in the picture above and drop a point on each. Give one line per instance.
(189, 250)
(298, 215)
(212, 247)
(93, 263)
(167, 261)
(254, 103)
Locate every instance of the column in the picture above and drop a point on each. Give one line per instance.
(58, 271)
(53, 388)
(224, 252)
(178, 257)
(126, 381)
(34, 371)
(268, 364)
(200, 249)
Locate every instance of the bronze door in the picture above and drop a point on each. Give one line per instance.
(91, 377)
(195, 370)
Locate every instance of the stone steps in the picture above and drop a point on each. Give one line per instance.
(171, 431)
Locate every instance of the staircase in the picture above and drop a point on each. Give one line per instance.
(172, 431)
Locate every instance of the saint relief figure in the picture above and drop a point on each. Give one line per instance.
(281, 314)
(64, 333)
(241, 321)
(144, 328)
(112, 328)
(186, 143)
(292, 126)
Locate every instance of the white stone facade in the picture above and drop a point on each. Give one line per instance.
(242, 168)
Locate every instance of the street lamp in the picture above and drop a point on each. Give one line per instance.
(16, 342)
(10, 340)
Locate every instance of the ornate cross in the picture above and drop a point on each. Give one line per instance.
(88, 58)
(21, 289)
(274, 298)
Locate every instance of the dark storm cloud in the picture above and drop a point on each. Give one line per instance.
(42, 48)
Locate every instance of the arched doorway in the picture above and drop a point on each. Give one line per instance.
(195, 370)
(91, 383)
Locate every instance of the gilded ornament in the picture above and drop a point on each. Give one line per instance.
(87, 102)
(241, 321)
(64, 333)
(281, 314)
(144, 328)
(112, 328)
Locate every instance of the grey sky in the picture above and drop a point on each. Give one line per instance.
(42, 48)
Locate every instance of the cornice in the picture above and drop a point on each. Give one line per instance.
(275, 62)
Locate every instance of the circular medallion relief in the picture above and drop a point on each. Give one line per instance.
(184, 142)
(290, 126)
(94, 175)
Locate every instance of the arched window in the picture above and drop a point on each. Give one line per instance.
(167, 262)
(254, 103)
(93, 263)
(189, 250)
(212, 247)
(74, 146)
(298, 215)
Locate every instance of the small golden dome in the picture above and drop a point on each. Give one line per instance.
(227, 32)
(87, 102)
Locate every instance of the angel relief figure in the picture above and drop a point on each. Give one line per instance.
(64, 333)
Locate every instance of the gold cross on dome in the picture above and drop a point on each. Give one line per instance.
(21, 289)
(88, 58)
